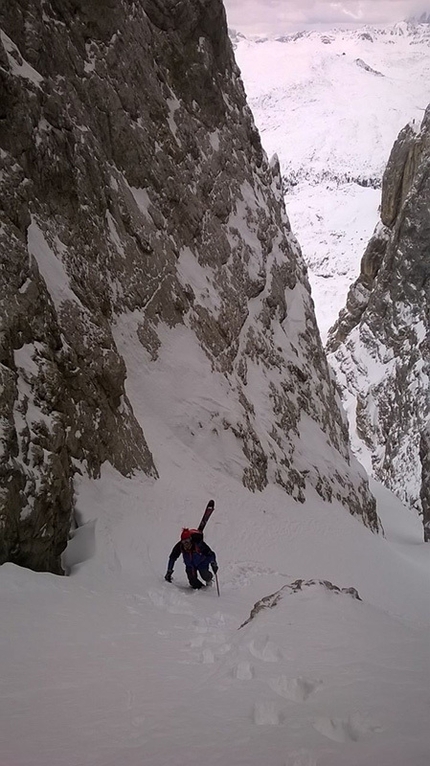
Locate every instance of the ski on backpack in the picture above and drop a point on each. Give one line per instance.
(196, 555)
(207, 514)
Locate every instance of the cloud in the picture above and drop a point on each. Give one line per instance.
(279, 16)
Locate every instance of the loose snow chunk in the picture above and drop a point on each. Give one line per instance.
(24, 358)
(23, 69)
(42, 127)
(23, 289)
(407, 317)
(214, 139)
(381, 231)
(142, 199)
(89, 65)
(420, 331)
(200, 278)
(274, 161)
(113, 233)
(173, 105)
(50, 267)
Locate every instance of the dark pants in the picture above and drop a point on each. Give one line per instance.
(194, 580)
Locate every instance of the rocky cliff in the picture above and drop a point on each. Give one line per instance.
(380, 344)
(136, 193)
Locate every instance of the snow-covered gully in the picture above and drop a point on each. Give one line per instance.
(112, 665)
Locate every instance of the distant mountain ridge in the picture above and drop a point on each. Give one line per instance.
(413, 27)
(308, 67)
(330, 105)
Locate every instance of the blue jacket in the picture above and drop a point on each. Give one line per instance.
(199, 557)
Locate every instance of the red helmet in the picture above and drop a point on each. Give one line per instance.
(187, 533)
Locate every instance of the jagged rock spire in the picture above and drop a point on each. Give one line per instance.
(380, 345)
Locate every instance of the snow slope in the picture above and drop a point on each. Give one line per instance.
(112, 665)
(331, 106)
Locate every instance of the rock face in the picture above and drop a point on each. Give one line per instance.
(134, 185)
(425, 481)
(380, 344)
(272, 600)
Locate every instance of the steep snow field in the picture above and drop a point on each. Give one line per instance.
(112, 665)
(331, 106)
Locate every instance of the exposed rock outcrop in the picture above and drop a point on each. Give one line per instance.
(425, 481)
(380, 344)
(268, 602)
(135, 185)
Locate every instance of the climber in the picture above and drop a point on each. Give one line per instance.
(197, 558)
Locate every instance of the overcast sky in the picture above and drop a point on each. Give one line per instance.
(270, 17)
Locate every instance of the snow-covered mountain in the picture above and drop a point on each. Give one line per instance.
(152, 287)
(331, 105)
(158, 348)
(380, 344)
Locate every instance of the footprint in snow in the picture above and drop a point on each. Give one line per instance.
(265, 650)
(243, 671)
(204, 624)
(266, 713)
(197, 642)
(350, 729)
(137, 724)
(295, 689)
(175, 604)
(301, 758)
(157, 598)
(207, 656)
